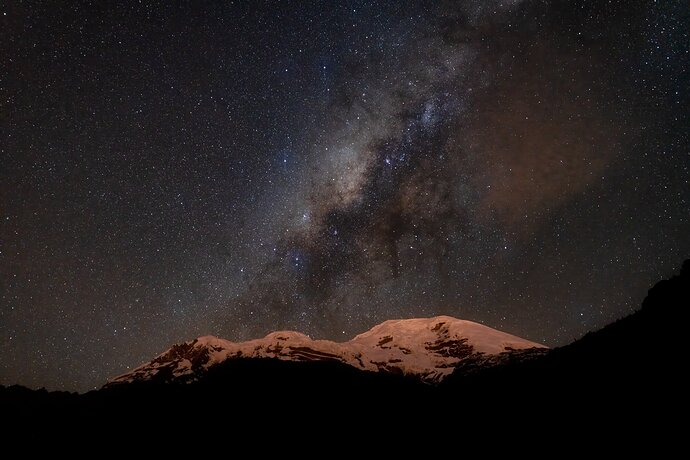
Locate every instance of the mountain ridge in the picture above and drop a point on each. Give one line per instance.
(426, 348)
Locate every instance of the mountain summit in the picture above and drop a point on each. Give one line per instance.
(427, 348)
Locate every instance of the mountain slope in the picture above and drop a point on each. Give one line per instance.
(428, 348)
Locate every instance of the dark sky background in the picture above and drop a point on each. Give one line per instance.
(232, 168)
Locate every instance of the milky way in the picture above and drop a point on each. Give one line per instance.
(232, 169)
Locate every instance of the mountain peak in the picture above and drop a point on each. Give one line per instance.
(482, 338)
(210, 341)
(287, 335)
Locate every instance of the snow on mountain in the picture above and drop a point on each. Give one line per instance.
(429, 348)
(432, 347)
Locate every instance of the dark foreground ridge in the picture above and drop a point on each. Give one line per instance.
(628, 375)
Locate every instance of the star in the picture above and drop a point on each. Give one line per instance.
(325, 168)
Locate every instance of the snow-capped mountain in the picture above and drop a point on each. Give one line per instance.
(429, 348)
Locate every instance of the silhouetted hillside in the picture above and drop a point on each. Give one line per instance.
(638, 360)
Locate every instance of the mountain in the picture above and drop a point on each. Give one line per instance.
(626, 381)
(427, 348)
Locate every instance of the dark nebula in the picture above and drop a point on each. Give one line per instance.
(232, 168)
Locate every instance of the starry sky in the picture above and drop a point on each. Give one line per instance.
(232, 168)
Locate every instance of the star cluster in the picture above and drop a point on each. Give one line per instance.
(232, 168)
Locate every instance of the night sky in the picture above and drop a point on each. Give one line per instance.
(233, 168)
